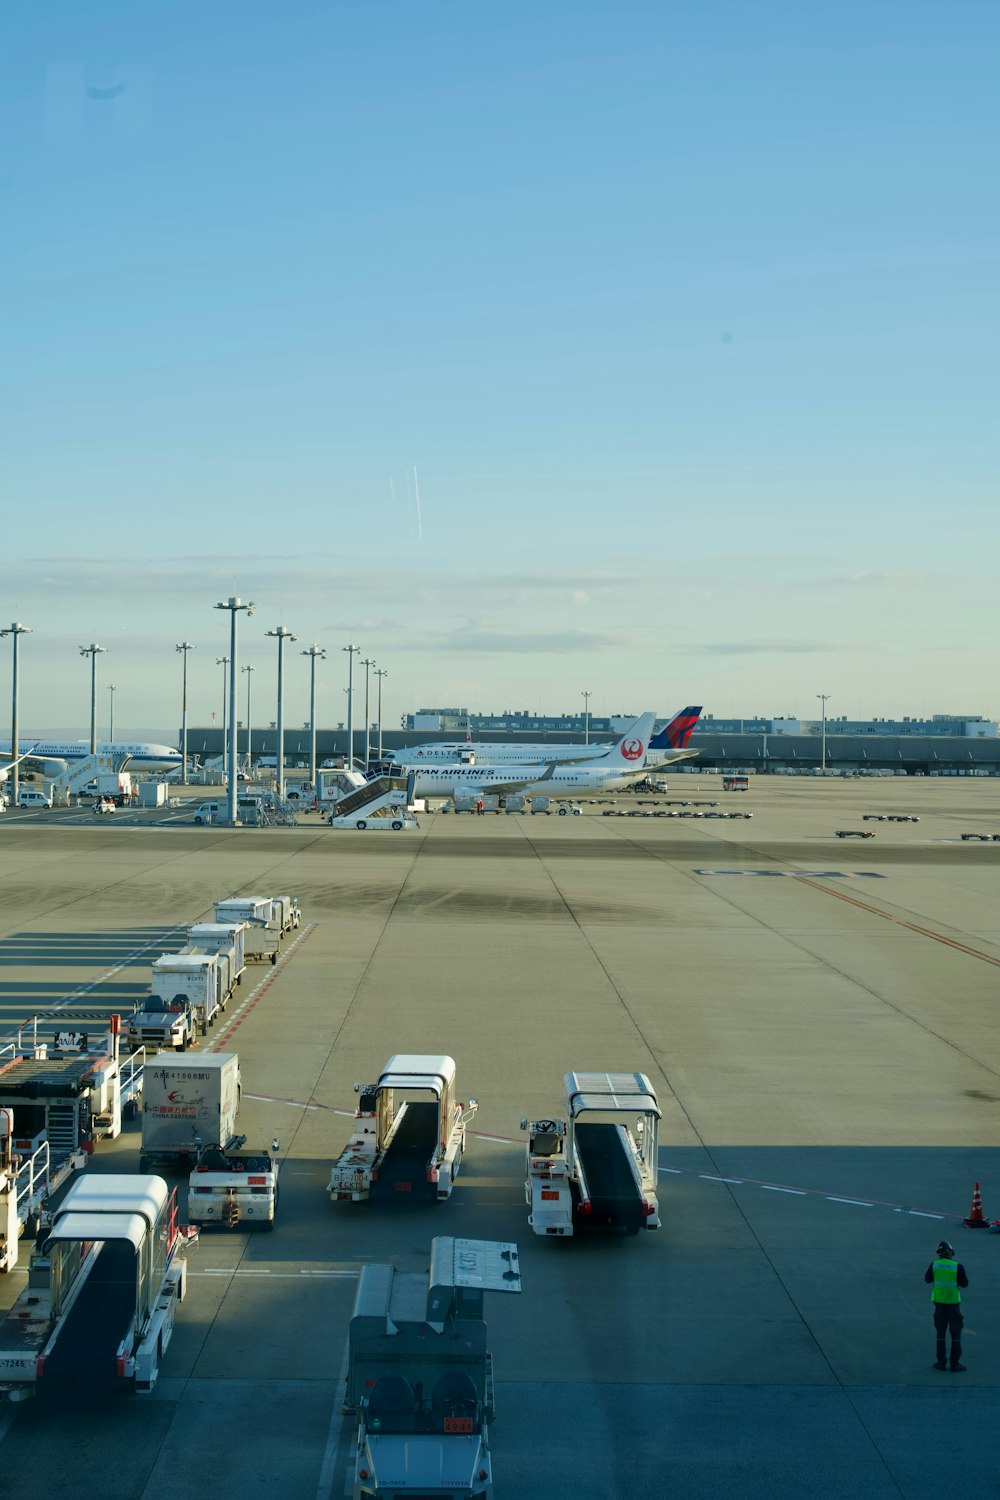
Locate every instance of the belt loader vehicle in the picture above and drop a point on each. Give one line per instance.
(234, 1188)
(599, 1167)
(188, 1103)
(103, 1287)
(409, 1132)
(420, 1376)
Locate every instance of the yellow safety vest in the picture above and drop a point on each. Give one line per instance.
(945, 1287)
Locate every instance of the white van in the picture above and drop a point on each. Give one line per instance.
(206, 811)
(28, 797)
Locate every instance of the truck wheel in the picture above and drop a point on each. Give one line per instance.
(361, 823)
(184, 1044)
(397, 825)
(562, 812)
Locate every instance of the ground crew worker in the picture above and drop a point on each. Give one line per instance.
(946, 1276)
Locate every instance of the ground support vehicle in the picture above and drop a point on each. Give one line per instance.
(64, 1089)
(26, 1181)
(981, 838)
(234, 1188)
(404, 1141)
(188, 1103)
(382, 799)
(855, 833)
(268, 918)
(222, 937)
(163, 1024)
(599, 1167)
(420, 1376)
(196, 977)
(103, 1287)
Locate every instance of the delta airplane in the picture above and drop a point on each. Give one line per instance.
(673, 738)
(55, 755)
(622, 763)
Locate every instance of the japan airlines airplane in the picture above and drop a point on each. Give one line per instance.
(462, 752)
(56, 755)
(622, 763)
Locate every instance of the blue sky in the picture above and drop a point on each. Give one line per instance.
(685, 316)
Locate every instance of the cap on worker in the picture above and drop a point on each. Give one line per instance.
(945, 1249)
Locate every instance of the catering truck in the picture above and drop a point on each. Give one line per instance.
(420, 1376)
(102, 1292)
(409, 1132)
(598, 1168)
(188, 1103)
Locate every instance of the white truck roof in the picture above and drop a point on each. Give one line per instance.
(418, 1070)
(610, 1091)
(184, 963)
(216, 929)
(179, 1064)
(115, 1193)
(71, 1226)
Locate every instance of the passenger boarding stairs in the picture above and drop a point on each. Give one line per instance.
(81, 772)
(393, 792)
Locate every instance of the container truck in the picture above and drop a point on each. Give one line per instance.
(188, 1103)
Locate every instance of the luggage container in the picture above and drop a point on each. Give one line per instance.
(187, 1103)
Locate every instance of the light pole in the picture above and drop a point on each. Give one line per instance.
(14, 630)
(380, 672)
(282, 635)
(234, 606)
(111, 729)
(314, 654)
(184, 648)
(367, 662)
(223, 662)
(93, 651)
(824, 697)
(350, 703)
(586, 696)
(248, 670)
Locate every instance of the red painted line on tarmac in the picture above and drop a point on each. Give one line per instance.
(887, 916)
(251, 1003)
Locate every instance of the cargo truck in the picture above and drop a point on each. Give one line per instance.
(409, 1132)
(599, 1167)
(420, 1376)
(188, 1103)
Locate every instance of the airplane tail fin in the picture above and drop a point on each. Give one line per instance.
(676, 734)
(629, 749)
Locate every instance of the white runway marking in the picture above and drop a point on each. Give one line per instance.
(858, 1202)
(770, 1188)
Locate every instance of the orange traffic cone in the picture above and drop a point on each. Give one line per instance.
(976, 1219)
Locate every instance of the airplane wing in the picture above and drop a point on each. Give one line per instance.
(520, 776)
(8, 766)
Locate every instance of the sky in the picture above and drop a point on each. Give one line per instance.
(643, 347)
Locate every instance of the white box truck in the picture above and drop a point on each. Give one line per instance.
(188, 1103)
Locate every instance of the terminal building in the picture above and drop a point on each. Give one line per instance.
(945, 744)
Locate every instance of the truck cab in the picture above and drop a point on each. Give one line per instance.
(159, 1022)
(234, 1188)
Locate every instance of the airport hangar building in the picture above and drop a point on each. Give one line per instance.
(944, 745)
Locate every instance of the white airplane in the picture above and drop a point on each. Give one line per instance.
(9, 765)
(623, 762)
(56, 755)
(664, 748)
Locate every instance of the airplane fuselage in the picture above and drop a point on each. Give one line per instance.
(142, 756)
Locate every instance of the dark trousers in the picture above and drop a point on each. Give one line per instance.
(948, 1317)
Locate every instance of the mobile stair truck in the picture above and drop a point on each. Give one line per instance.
(102, 1293)
(420, 1376)
(234, 1188)
(188, 1103)
(409, 1132)
(380, 805)
(599, 1167)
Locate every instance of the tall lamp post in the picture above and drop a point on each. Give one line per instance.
(281, 635)
(823, 697)
(93, 651)
(184, 648)
(367, 662)
(350, 703)
(234, 606)
(380, 672)
(112, 688)
(314, 653)
(223, 662)
(248, 670)
(586, 696)
(15, 629)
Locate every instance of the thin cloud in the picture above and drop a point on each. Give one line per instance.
(767, 648)
(511, 643)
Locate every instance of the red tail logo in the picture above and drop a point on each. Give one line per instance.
(632, 749)
(681, 728)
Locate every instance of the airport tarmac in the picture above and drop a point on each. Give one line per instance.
(818, 1016)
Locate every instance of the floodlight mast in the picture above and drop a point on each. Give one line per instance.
(15, 629)
(93, 651)
(223, 662)
(184, 647)
(314, 653)
(350, 703)
(824, 697)
(380, 672)
(586, 695)
(112, 688)
(367, 662)
(234, 606)
(248, 670)
(282, 635)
